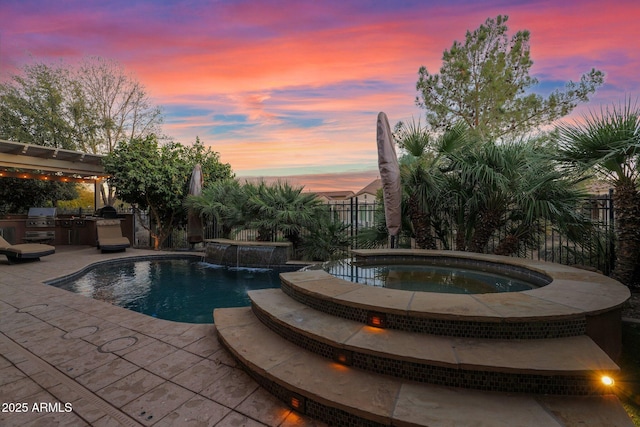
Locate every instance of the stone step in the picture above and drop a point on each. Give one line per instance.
(344, 395)
(514, 315)
(570, 365)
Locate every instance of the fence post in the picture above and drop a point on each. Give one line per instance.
(356, 218)
(612, 240)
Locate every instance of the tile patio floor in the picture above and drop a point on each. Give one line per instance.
(111, 366)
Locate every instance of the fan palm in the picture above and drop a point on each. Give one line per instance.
(609, 144)
(542, 194)
(223, 201)
(476, 188)
(285, 208)
(328, 240)
(517, 184)
(422, 180)
(485, 174)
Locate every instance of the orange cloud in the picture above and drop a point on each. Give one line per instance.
(298, 86)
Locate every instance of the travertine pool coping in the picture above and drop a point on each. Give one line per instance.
(570, 292)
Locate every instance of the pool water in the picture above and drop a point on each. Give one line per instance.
(426, 278)
(180, 290)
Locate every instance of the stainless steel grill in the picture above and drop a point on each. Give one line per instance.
(39, 219)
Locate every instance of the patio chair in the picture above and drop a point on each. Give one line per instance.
(24, 251)
(110, 236)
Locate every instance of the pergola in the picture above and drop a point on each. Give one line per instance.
(29, 161)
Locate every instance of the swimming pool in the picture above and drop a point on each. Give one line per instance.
(426, 277)
(182, 290)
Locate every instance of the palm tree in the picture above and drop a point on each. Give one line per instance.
(423, 181)
(473, 188)
(282, 207)
(327, 240)
(516, 184)
(609, 145)
(487, 174)
(223, 201)
(542, 193)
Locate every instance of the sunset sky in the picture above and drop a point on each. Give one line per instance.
(292, 88)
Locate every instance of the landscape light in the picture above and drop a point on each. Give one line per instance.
(377, 320)
(297, 403)
(607, 380)
(342, 356)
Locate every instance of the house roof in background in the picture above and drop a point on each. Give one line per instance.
(336, 195)
(372, 188)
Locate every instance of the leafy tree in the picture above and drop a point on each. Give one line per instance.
(36, 107)
(18, 195)
(90, 108)
(484, 82)
(156, 177)
(608, 144)
(119, 109)
(118, 102)
(212, 169)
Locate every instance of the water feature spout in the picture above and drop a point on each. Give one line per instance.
(270, 257)
(247, 254)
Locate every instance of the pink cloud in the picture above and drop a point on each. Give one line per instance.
(350, 181)
(304, 81)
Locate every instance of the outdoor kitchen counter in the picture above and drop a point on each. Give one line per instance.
(67, 230)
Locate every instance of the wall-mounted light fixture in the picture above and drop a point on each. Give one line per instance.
(342, 356)
(377, 320)
(297, 402)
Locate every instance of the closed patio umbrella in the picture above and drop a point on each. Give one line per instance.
(194, 223)
(390, 176)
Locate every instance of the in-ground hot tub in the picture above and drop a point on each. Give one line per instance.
(572, 302)
(416, 275)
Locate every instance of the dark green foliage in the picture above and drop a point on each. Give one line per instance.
(37, 108)
(224, 201)
(18, 195)
(273, 210)
(485, 82)
(284, 208)
(608, 144)
(327, 240)
(156, 177)
(462, 189)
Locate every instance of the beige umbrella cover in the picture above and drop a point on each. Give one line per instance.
(390, 176)
(194, 223)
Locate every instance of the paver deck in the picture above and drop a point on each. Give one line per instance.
(113, 366)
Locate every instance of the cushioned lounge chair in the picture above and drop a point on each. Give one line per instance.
(110, 236)
(24, 251)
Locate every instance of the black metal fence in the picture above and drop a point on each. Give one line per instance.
(594, 249)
